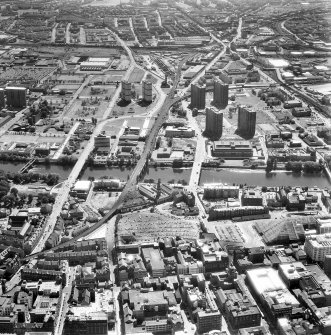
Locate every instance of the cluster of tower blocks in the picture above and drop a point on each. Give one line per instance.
(147, 91)
(214, 114)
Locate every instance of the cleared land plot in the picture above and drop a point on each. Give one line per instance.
(133, 108)
(30, 139)
(26, 73)
(102, 200)
(124, 63)
(109, 76)
(97, 91)
(91, 109)
(113, 127)
(262, 116)
(67, 79)
(67, 87)
(136, 76)
(149, 227)
(135, 122)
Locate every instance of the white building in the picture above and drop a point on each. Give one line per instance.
(318, 246)
(171, 131)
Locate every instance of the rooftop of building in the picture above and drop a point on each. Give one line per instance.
(153, 256)
(265, 279)
(82, 185)
(320, 241)
(151, 298)
(293, 271)
(226, 144)
(252, 193)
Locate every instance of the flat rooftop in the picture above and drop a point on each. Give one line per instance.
(265, 279)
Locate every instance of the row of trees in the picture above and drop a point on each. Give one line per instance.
(15, 199)
(25, 178)
(67, 160)
(296, 166)
(307, 167)
(12, 157)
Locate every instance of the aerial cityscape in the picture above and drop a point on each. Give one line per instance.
(165, 167)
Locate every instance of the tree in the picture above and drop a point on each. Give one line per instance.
(30, 198)
(311, 167)
(158, 143)
(9, 200)
(45, 209)
(270, 165)
(177, 163)
(294, 166)
(14, 191)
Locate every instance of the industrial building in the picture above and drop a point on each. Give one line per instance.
(95, 64)
(223, 213)
(102, 141)
(272, 292)
(172, 131)
(252, 197)
(214, 122)
(232, 149)
(81, 189)
(220, 191)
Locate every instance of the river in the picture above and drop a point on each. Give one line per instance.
(229, 176)
(165, 174)
(11, 166)
(260, 178)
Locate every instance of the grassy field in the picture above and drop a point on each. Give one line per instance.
(136, 76)
(103, 200)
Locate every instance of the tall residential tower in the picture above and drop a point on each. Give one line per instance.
(198, 96)
(126, 91)
(246, 121)
(214, 122)
(147, 90)
(221, 94)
